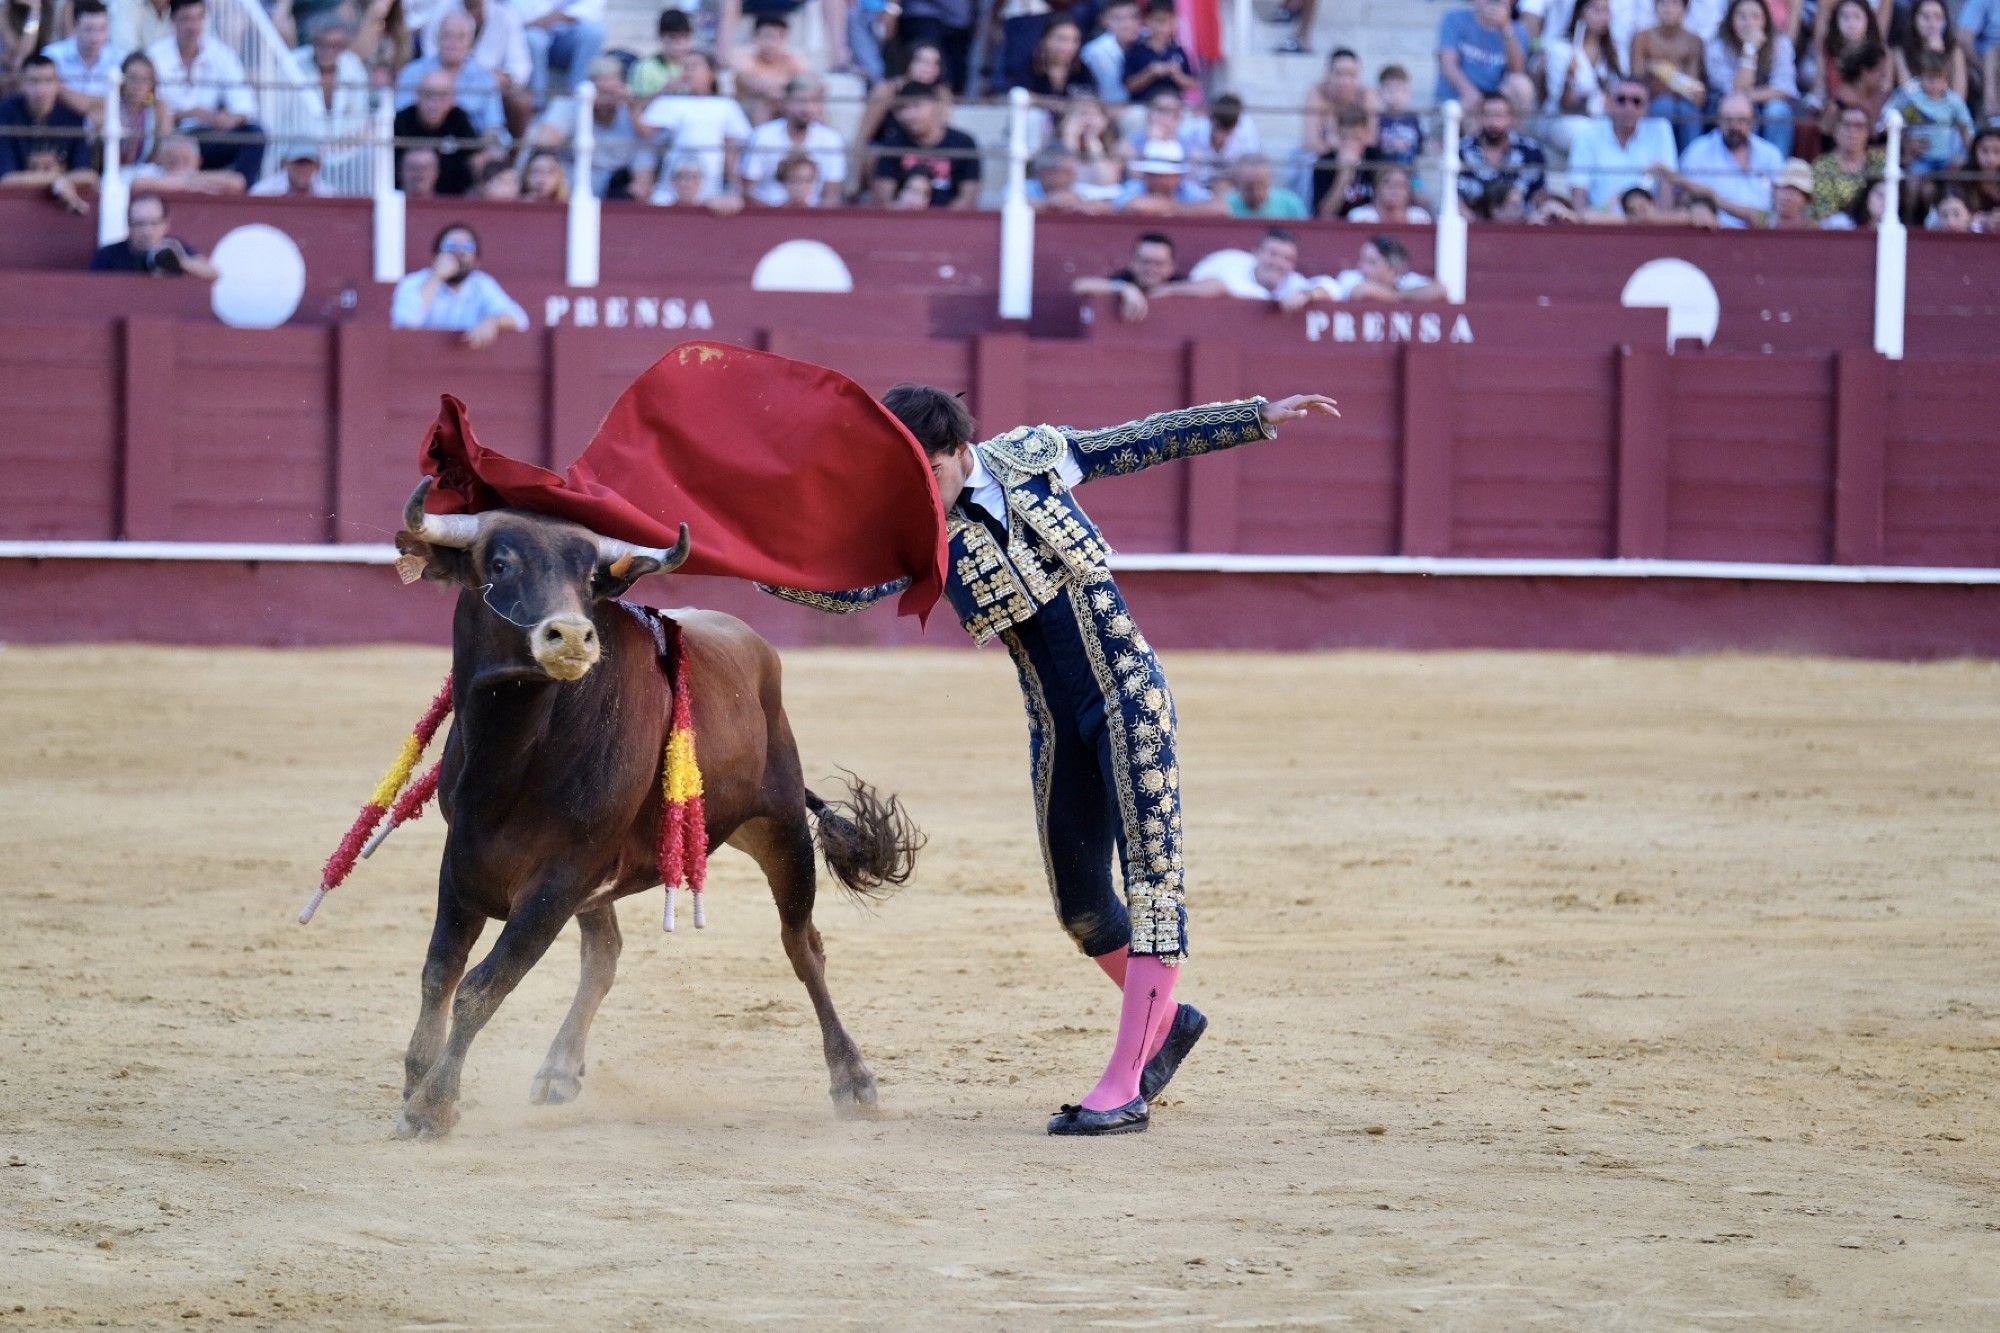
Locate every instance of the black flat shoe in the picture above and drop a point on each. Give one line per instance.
(1188, 1026)
(1131, 1118)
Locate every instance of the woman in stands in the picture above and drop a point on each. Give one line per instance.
(1842, 173)
(1582, 67)
(543, 178)
(1864, 213)
(1855, 69)
(382, 38)
(1930, 29)
(1090, 135)
(1393, 201)
(1058, 72)
(142, 116)
(1750, 55)
(1982, 192)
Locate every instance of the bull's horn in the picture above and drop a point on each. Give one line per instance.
(459, 530)
(611, 550)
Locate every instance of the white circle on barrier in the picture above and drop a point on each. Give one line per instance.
(263, 277)
(802, 266)
(1693, 309)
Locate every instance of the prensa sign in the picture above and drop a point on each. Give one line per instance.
(1386, 326)
(627, 312)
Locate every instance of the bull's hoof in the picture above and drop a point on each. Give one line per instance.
(419, 1123)
(854, 1093)
(553, 1088)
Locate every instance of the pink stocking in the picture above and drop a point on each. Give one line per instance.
(1114, 964)
(1149, 998)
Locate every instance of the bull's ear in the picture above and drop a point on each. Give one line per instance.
(615, 576)
(445, 564)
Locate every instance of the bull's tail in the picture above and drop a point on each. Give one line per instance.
(868, 840)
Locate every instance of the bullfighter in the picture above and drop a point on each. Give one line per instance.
(1029, 567)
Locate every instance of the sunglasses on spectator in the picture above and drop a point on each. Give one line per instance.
(458, 245)
(1627, 99)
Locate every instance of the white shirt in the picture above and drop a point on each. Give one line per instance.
(1350, 281)
(700, 127)
(502, 43)
(1627, 17)
(1238, 272)
(1106, 61)
(990, 495)
(457, 308)
(279, 185)
(80, 77)
(1607, 168)
(1708, 162)
(591, 11)
(348, 117)
(771, 143)
(213, 82)
(1370, 213)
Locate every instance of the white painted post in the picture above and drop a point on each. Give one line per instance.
(1451, 239)
(1892, 254)
(1017, 218)
(113, 199)
(585, 210)
(389, 210)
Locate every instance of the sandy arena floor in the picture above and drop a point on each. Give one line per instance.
(1571, 991)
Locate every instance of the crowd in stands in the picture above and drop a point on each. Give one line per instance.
(1713, 113)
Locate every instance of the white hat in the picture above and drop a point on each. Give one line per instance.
(1161, 157)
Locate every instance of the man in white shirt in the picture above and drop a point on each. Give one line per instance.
(1610, 155)
(564, 33)
(700, 127)
(798, 130)
(300, 177)
(1731, 166)
(204, 82)
(1104, 54)
(85, 60)
(453, 293)
(1269, 274)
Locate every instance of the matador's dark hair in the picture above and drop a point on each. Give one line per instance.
(938, 419)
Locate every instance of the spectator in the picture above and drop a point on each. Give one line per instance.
(177, 169)
(299, 178)
(543, 179)
(878, 123)
(1929, 29)
(500, 47)
(869, 23)
(1844, 172)
(382, 38)
(1751, 58)
(1983, 191)
(703, 127)
(210, 93)
(474, 89)
(616, 142)
(1979, 33)
(1023, 24)
(946, 25)
(1937, 125)
(1730, 167)
(798, 176)
(147, 248)
(1854, 66)
(1057, 71)
(418, 171)
(1344, 179)
(338, 105)
(1217, 141)
(664, 73)
(767, 68)
(1162, 185)
(1496, 152)
(1393, 202)
(453, 294)
(1156, 62)
(138, 25)
(1256, 196)
(730, 22)
(1149, 275)
(445, 129)
(34, 122)
(1090, 135)
(565, 34)
(144, 118)
(802, 129)
(928, 146)
(1864, 212)
(1399, 131)
(1382, 274)
(1792, 196)
(1481, 51)
(1105, 53)
(1339, 88)
(498, 180)
(1583, 65)
(1952, 213)
(1703, 19)
(1054, 187)
(1671, 59)
(85, 59)
(1610, 156)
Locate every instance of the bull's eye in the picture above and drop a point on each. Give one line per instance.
(498, 566)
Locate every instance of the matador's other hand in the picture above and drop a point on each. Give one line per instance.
(1297, 406)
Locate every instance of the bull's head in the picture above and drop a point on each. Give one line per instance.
(535, 573)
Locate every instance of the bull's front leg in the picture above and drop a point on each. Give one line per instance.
(456, 930)
(431, 1108)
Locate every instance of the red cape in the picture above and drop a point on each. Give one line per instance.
(784, 472)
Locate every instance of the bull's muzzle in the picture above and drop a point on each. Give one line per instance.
(565, 646)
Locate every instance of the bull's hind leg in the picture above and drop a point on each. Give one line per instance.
(431, 1109)
(561, 1076)
(783, 849)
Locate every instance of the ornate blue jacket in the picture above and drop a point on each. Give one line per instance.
(1052, 544)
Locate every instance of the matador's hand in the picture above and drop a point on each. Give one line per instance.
(1297, 406)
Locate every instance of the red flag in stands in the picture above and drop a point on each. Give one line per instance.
(785, 472)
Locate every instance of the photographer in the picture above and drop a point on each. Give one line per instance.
(147, 248)
(453, 294)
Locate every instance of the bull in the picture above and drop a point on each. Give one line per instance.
(551, 788)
